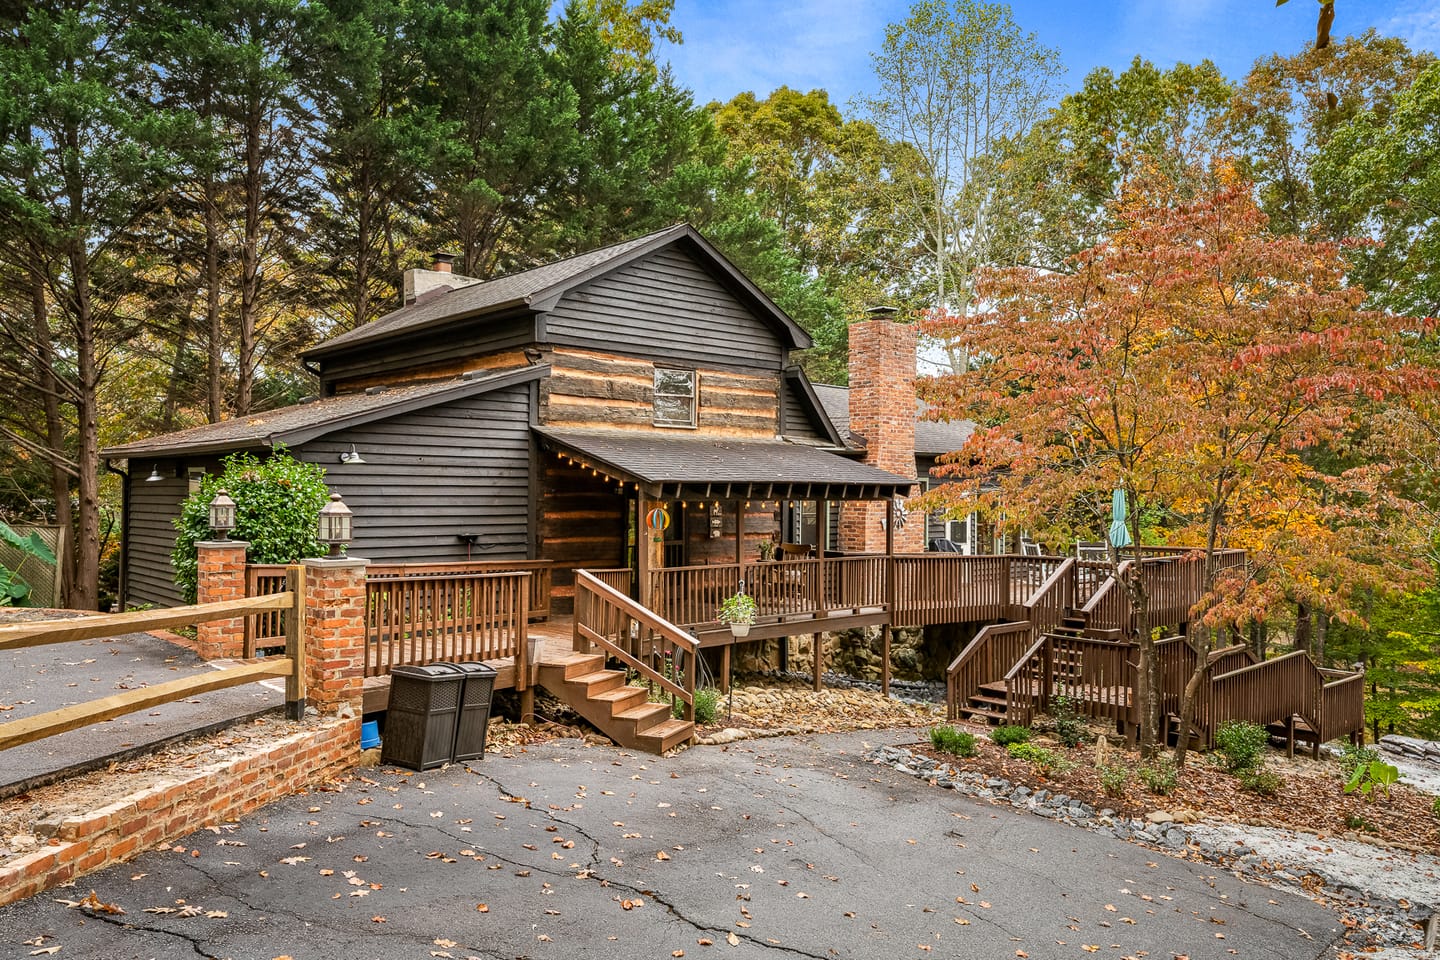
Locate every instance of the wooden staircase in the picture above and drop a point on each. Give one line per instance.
(988, 704)
(622, 712)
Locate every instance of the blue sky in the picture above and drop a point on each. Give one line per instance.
(735, 45)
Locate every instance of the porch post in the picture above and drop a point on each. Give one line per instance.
(889, 594)
(650, 549)
(822, 535)
(740, 534)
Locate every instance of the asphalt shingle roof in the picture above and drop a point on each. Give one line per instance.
(932, 437)
(303, 421)
(701, 461)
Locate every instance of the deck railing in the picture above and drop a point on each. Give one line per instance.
(434, 617)
(1342, 705)
(1095, 675)
(666, 657)
(1263, 693)
(948, 588)
(995, 649)
(541, 572)
(782, 588)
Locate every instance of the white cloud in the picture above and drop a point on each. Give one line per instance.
(1417, 22)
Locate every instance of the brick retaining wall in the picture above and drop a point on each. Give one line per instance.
(79, 844)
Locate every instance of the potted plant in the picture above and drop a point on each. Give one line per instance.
(767, 549)
(739, 611)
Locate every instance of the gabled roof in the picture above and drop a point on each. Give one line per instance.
(799, 383)
(539, 288)
(703, 467)
(302, 422)
(932, 437)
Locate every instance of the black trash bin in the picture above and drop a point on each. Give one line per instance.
(422, 716)
(474, 711)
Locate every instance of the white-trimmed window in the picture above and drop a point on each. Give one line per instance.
(674, 397)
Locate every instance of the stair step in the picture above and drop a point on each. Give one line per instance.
(981, 699)
(576, 664)
(620, 699)
(989, 714)
(645, 716)
(666, 736)
(996, 688)
(598, 682)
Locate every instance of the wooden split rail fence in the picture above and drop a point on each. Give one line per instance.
(288, 602)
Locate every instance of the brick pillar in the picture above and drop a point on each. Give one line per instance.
(220, 576)
(335, 634)
(882, 414)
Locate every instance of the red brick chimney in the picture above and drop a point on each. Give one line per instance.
(882, 416)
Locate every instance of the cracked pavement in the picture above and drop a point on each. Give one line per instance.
(795, 846)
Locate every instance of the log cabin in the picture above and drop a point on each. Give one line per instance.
(542, 415)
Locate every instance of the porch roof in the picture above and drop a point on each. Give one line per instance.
(719, 467)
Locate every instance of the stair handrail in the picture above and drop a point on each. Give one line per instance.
(1101, 595)
(1022, 709)
(1309, 710)
(1061, 577)
(967, 672)
(588, 586)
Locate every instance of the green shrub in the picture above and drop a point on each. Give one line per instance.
(1353, 755)
(1010, 734)
(1241, 745)
(1114, 778)
(1069, 725)
(1046, 761)
(707, 705)
(14, 590)
(1160, 775)
(949, 740)
(277, 508)
(1435, 807)
(1259, 780)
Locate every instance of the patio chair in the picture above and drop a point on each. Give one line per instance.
(1030, 548)
(1091, 550)
(944, 545)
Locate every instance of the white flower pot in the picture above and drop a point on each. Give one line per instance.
(739, 630)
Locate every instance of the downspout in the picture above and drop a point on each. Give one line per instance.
(124, 530)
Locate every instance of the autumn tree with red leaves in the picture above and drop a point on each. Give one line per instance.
(1201, 364)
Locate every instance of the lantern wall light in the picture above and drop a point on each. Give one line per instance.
(222, 515)
(334, 528)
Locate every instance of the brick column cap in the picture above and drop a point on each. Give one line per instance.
(335, 563)
(223, 544)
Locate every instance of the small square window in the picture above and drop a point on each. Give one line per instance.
(674, 397)
(193, 476)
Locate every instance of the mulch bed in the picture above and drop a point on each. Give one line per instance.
(1311, 797)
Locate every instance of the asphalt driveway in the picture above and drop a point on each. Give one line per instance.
(771, 848)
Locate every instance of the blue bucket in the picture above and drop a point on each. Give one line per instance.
(369, 735)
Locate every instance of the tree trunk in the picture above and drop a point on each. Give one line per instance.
(252, 186)
(1303, 626)
(215, 333)
(1322, 628)
(83, 593)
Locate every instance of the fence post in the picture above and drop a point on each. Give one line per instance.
(333, 628)
(295, 644)
(220, 576)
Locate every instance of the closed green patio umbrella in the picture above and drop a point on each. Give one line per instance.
(1119, 533)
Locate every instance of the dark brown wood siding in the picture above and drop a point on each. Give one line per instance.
(431, 475)
(150, 528)
(398, 360)
(150, 533)
(797, 421)
(583, 523)
(665, 307)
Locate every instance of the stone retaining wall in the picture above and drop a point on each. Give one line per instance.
(173, 808)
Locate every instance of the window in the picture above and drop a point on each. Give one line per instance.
(193, 476)
(674, 397)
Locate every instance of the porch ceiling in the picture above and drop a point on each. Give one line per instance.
(700, 468)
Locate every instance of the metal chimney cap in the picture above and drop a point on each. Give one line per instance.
(881, 311)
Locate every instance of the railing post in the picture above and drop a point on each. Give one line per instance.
(220, 575)
(295, 686)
